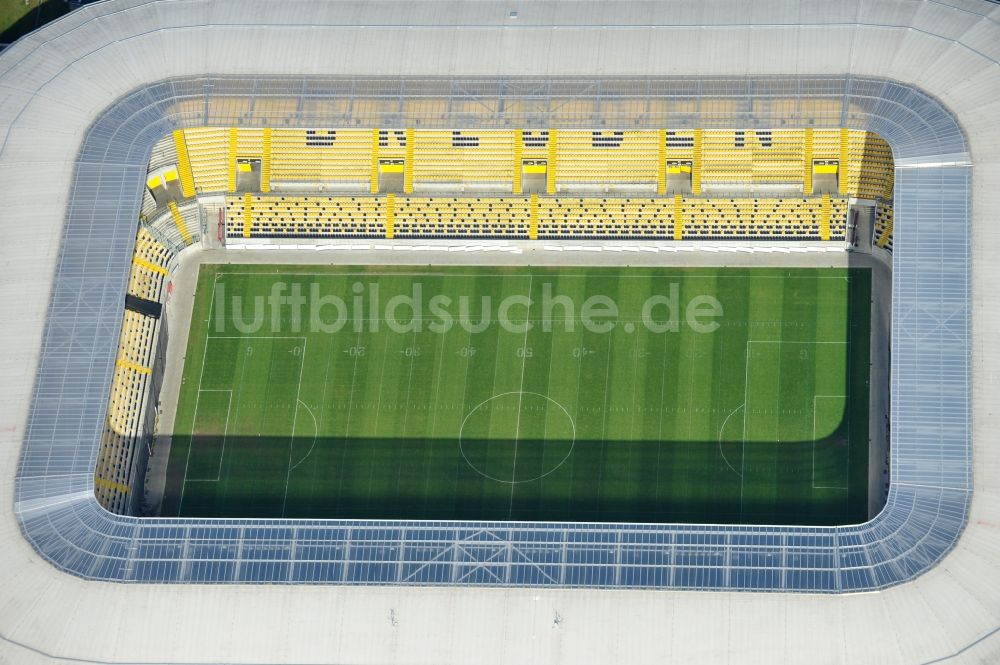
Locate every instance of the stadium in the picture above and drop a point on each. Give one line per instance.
(462, 332)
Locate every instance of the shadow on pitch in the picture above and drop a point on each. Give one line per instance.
(430, 479)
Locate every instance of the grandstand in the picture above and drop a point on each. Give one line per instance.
(862, 159)
(277, 216)
(883, 227)
(551, 184)
(162, 234)
(471, 184)
(274, 182)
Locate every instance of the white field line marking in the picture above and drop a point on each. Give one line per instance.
(722, 431)
(378, 409)
(520, 398)
(746, 408)
(847, 403)
(621, 320)
(256, 337)
(239, 391)
(406, 409)
(434, 410)
(815, 398)
(659, 427)
(545, 423)
(452, 274)
(488, 437)
(465, 395)
(789, 341)
(197, 399)
(746, 392)
(350, 409)
(777, 391)
(572, 423)
(225, 433)
(576, 399)
(847, 378)
(631, 420)
(295, 417)
(315, 436)
(322, 401)
(814, 443)
(381, 385)
(604, 420)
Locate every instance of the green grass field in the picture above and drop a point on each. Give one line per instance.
(589, 415)
(19, 17)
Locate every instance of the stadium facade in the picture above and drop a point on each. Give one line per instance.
(86, 98)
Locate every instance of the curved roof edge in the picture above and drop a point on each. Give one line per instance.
(926, 507)
(56, 81)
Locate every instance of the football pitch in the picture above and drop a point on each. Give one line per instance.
(542, 394)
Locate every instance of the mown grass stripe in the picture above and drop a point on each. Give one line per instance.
(648, 408)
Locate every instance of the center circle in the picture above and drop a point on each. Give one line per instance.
(517, 437)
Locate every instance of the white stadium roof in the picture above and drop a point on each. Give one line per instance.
(81, 102)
